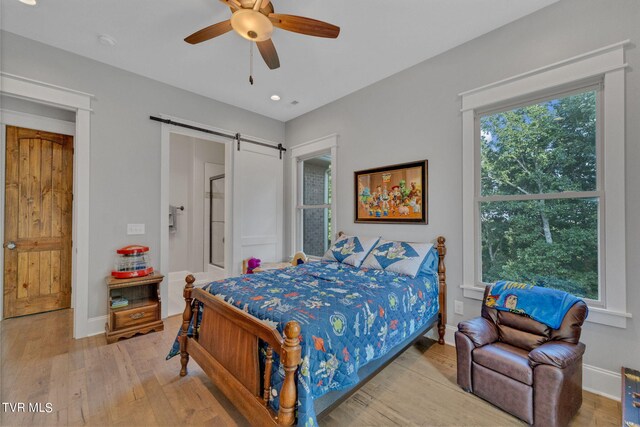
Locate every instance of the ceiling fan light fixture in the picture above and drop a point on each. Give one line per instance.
(252, 25)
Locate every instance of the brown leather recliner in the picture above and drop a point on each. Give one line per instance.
(522, 366)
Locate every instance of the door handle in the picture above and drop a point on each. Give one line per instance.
(10, 245)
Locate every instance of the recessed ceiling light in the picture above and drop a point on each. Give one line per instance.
(275, 97)
(106, 40)
(29, 2)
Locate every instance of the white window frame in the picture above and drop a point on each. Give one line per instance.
(606, 65)
(300, 153)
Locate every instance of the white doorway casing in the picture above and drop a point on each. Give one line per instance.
(251, 170)
(191, 160)
(80, 103)
(165, 175)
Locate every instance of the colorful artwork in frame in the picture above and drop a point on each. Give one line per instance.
(392, 194)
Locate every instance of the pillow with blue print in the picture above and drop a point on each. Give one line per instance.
(350, 249)
(430, 265)
(398, 257)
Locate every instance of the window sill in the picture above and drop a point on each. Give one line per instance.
(598, 315)
(603, 316)
(473, 292)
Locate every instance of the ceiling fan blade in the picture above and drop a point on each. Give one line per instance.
(267, 8)
(269, 54)
(234, 5)
(302, 25)
(210, 32)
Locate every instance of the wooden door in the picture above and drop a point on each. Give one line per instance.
(37, 225)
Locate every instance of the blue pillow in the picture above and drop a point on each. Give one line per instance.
(350, 249)
(398, 257)
(430, 265)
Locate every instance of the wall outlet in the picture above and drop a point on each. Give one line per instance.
(135, 229)
(458, 307)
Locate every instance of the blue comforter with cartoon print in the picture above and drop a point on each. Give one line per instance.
(348, 317)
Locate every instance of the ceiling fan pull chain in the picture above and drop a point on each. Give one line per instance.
(251, 63)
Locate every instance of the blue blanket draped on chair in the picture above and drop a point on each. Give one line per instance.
(544, 305)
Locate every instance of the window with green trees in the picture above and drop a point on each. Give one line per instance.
(538, 198)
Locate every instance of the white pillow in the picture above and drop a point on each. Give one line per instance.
(350, 249)
(398, 257)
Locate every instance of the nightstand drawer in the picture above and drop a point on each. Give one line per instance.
(127, 317)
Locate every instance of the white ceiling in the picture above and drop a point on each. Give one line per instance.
(378, 38)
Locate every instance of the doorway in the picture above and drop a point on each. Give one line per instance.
(38, 211)
(77, 122)
(197, 232)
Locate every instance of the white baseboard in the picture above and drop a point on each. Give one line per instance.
(95, 325)
(449, 333)
(595, 380)
(601, 381)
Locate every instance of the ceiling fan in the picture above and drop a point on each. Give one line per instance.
(254, 20)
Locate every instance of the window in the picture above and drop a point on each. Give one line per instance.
(315, 208)
(538, 199)
(543, 182)
(313, 196)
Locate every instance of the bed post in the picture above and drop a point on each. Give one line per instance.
(442, 294)
(186, 320)
(290, 359)
(268, 365)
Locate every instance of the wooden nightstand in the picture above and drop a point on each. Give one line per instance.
(142, 314)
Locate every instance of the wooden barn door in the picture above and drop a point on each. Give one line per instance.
(37, 224)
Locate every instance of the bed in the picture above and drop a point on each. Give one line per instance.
(289, 345)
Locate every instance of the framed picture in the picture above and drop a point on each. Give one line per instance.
(392, 194)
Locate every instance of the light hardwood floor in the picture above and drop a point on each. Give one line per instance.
(129, 383)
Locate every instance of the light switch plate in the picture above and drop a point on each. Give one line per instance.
(135, 229)
(458, 307)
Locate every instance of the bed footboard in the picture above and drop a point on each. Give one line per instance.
(226, 346)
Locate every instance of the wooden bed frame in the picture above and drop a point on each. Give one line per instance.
(226, 346)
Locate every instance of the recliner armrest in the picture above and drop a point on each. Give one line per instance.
(479, 330)
(556, 353)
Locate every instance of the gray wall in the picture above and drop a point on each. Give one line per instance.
(415, 115)
(125, 144)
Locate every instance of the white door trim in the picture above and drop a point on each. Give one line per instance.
(301, 152)
(230, 149)
(165, 138)
(80, 103)
(31, 121)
